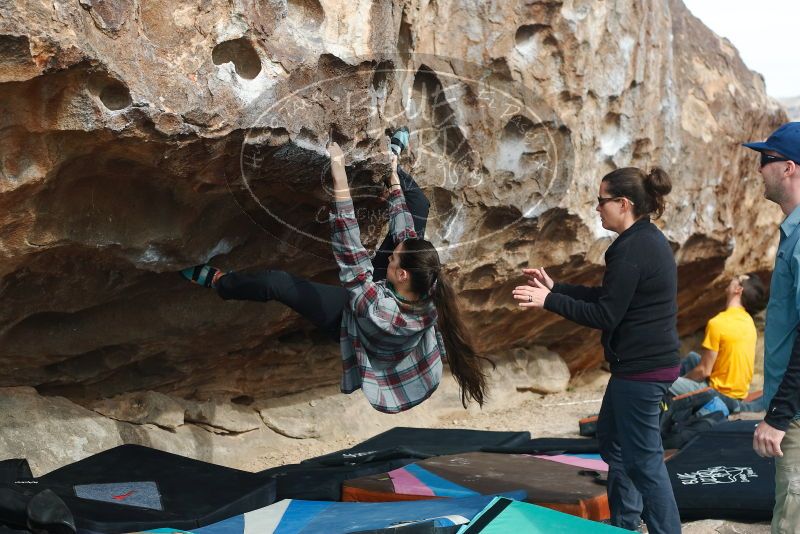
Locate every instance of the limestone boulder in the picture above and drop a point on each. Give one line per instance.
(292, 422)
(140, 139)
(222, 414)
(51, 431)
(143, 407)
(592, 379)
(536, 369)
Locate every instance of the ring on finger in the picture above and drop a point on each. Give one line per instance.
(530, 298)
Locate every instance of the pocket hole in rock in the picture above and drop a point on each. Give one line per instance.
(241, 53)
(113, 94)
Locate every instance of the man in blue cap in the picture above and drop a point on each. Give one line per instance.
(778, 435)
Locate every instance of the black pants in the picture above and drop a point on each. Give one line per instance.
(418, 206)
(630, 443)
(321, 304)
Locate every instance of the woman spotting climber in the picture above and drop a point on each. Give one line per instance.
(636, 308)
(393, 332)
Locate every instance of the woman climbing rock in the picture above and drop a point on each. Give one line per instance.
(394, 329)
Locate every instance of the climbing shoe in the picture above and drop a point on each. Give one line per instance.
(200, 274)
(399, 140)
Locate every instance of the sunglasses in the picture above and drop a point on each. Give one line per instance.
(766, 159)
(602, 200)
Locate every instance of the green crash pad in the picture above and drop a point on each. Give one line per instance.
(502, 516)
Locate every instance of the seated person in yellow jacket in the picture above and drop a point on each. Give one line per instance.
(729, 348)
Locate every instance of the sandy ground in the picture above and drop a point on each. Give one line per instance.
(554, 415)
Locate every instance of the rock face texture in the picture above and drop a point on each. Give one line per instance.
(139, 138)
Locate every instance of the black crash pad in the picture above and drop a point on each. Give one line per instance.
(550, 446)
(131, 487)
(717, 475)
(420, 443)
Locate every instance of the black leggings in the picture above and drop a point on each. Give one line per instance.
(418, 206)
(321, 304)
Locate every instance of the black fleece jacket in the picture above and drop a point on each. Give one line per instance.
(636, 307)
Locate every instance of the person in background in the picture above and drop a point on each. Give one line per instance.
(729, 347)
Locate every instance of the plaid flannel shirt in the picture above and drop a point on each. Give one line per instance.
(391, 348)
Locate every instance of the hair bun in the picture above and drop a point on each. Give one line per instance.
(646, 191)
(657, 182)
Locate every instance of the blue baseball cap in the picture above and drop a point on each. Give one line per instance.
(785, 141)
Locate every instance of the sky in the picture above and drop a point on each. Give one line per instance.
(765, 33)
